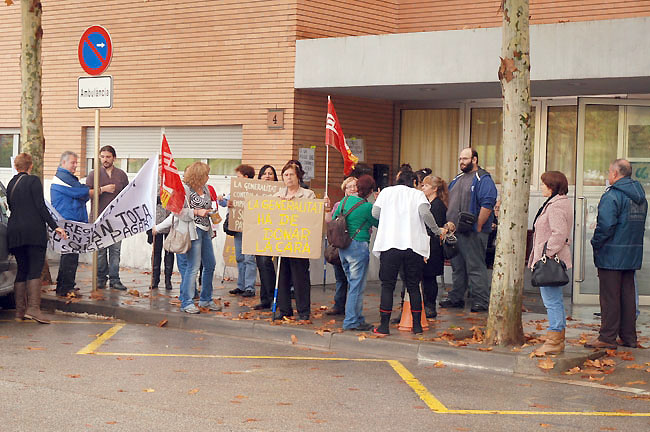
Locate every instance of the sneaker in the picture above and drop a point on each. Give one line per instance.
(248, 293)
(452, 304)
(335, 311)
(597, 343)
(364, 327)
(118, 286)
(262, 306)
(236, 291)
(191, 309)
(478, 308)
(211, 305)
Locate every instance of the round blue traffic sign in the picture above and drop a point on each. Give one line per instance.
(95, 50)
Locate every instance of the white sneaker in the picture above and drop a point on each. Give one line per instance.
(211, 305)
(191, 309)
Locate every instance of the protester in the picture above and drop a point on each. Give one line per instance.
(194, 220)
(618, 253)
(161, 214)
(246, 269)
(422, 173)
(356, 256)
(265, 263)
(27, 237)
(349, 188)
(294, 270)
(552, 227)
(69, 198)
(435, 189)
(111, 182)
(472, 195)
(402, 240)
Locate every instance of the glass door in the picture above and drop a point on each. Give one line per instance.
(607, 129)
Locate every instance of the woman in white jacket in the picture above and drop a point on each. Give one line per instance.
(193, 219)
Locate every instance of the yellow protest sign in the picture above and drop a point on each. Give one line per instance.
(240, 188)
(229, 256)
(277, 227)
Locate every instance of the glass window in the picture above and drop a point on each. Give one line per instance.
(429, 139)
(133, 165)
(601, 142)
(562, 124)
(223, 166)
(6, 150)
(638, 132)
(182, 163)
(486, 137)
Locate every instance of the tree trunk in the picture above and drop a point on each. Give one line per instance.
(504, 321)
(32, 140)
(31, 113)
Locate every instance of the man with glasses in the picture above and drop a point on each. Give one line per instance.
(472, 196)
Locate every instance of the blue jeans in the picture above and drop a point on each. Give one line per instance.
(246, 267)
(188, 264)
(552, 297)
(355, 259)
(109, 266)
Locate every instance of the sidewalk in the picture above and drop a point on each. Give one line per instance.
(454, 337)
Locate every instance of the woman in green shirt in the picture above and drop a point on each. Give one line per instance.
(355, 258)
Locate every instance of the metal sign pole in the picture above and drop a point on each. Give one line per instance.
(96, 193)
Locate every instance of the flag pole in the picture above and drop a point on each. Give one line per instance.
(327, 171)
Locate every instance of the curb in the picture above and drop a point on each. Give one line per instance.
(499, 359)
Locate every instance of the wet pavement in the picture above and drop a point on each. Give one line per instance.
(450, 330)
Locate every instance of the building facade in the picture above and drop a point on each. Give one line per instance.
(412, 81)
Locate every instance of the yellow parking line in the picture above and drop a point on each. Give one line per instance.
(91, 347)
(557, 413)
(418, 388)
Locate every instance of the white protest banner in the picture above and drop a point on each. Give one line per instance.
(131, 212)
(287, 228)
(240, 188)
(307, 157)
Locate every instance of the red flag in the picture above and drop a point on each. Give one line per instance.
(335, 138)
(172, 192)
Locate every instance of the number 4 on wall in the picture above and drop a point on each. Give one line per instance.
(275, 119)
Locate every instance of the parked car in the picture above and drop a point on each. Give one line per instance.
(7, 262)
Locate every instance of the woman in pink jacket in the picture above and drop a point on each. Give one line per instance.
(552, 226)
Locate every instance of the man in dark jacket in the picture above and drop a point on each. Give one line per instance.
(69, 198)
(473, 194)
(618, 253)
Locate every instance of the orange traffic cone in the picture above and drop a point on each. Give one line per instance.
(406, 322)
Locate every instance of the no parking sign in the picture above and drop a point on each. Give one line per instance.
(95, 50)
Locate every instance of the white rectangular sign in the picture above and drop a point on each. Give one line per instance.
(95, 92)
(307, 157)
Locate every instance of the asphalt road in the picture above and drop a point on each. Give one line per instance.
(148, 378)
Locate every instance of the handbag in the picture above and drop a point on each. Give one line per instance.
(225, 227)
(450, 246)
(549, 271)
(466, 222)
(332, 255)
(176, 241)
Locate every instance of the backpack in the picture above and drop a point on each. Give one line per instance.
(337, 230)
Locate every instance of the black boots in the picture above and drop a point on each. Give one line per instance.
(383, 327)
(417, 322)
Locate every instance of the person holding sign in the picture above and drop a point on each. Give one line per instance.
(355, 258)
(294, 270)
(265, 263)
(193, 219)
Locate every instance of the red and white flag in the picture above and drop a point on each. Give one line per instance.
(334, 137)
(172, 192)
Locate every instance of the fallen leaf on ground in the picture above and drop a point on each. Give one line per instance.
(36, 348)
(148, 390)
(545, 425)
(486, 349)
(250, 420)
(294, 339)
(545, 364)
(593, 378)
(572, 371)
(361, 337)
(162, 323)
(111, 422)
(635, 382)
(74, 376)
(241, 397)
(439, 364)
(193, 391)
(284, 403)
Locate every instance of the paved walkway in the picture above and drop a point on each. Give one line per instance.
(452, 329)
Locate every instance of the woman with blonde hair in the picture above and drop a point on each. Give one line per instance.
(27, 237)
(435, 189)
(194, 219)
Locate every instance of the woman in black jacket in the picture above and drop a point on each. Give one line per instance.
(435, 189)
(27, 237)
